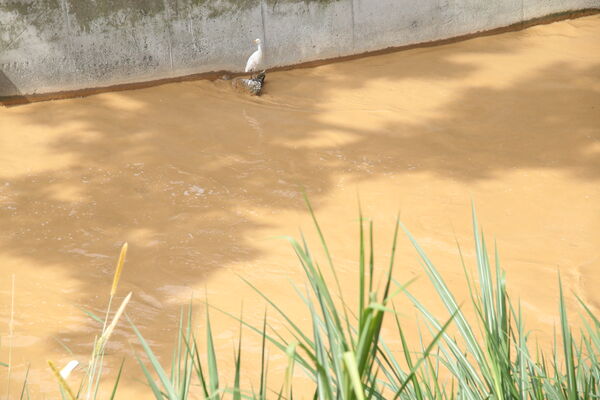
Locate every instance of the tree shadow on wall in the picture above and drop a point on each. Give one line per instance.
(9, 91)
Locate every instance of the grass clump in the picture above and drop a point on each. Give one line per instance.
(488, 356)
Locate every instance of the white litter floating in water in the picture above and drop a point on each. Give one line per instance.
(66, 371)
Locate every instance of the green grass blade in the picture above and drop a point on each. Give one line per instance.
(352, 368)
(425, 355)
(263, 375)
(213, 372)
(237, 393)
(197, 365)
(167, 385)
(153, 386)
(92, 315)
(114, 391)
(567, 346)
(24, 389)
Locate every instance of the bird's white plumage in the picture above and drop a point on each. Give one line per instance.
(255, 59)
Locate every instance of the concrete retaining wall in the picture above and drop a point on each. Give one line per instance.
(57, 45)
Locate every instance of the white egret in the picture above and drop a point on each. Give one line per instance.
(255, 59)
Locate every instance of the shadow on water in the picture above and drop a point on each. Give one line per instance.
(185, 172)
(546, 121)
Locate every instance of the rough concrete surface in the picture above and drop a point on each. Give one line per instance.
(57, 45)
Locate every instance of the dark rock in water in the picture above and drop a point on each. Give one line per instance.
(252, 86)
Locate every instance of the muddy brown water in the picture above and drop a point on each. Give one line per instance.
(201, 181)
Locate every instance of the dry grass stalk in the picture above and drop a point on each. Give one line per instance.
(11, 325)
(63, 384)
(95, 366)
(119, 269)
(109, 330)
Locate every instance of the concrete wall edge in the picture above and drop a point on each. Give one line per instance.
(177, 76)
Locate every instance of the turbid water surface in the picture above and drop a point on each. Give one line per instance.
(201, 181)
